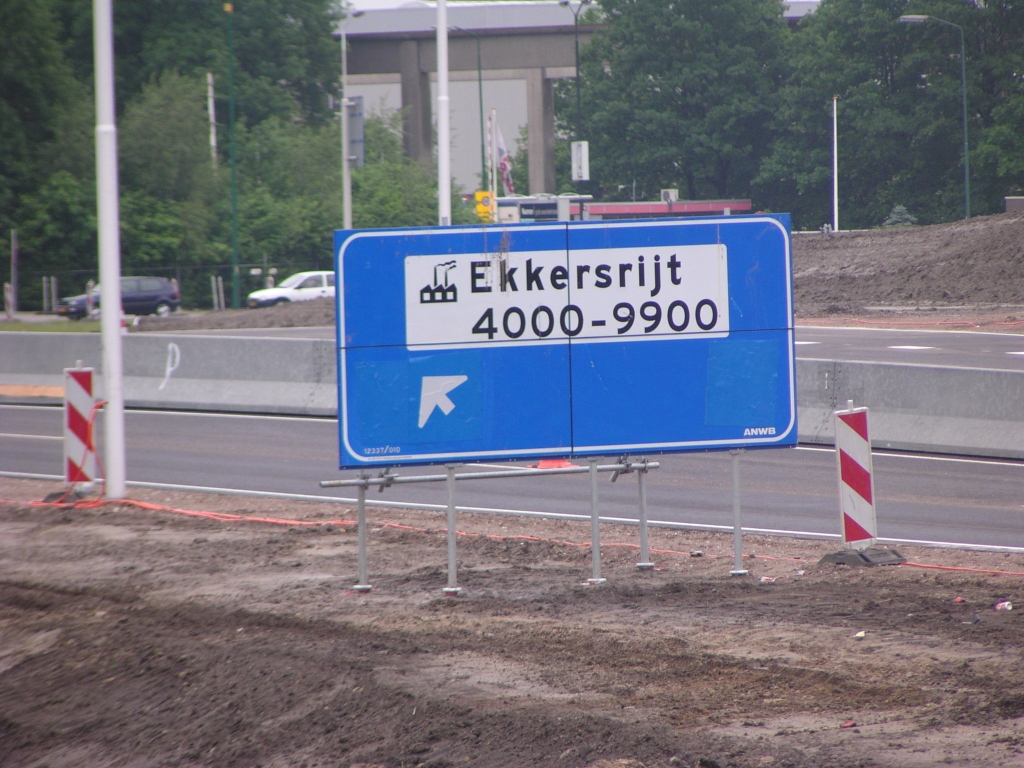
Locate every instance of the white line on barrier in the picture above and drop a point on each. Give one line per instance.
(922, 456)
(219, 415)
(528, 513)
(32, 437)
(202, 414)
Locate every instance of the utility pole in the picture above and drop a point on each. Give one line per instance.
(444, 170)
(576, 33)
(480, 96)
(14, 270)
(109, 235)
(210, 108)
(835, 166)
(236, 296)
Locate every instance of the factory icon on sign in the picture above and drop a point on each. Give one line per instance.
(441, 292)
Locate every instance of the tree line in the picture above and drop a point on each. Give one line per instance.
(719, 99)
(727, 99)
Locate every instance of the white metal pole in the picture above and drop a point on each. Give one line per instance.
(645, 563)
(211, 109)
(835, 167)
(595, 528)
(737, 530)
(108, 225)
(364, 584)
(444, 174)
(346, 167)
(14, 271)
(453, 584)
(492, 163)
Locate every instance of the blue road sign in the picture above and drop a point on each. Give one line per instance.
(583, 338)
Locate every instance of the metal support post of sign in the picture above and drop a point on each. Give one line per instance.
(387, 478)
(737, 529)
(364, 582)
(595, 528)
(453, 589)
(645, 563)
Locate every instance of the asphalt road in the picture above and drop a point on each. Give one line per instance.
(959, 349)
(919, 498)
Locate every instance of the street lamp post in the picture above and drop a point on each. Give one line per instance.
(236, 296)
(576, 33)
(480, 96)
(919, 19)
(346, 162)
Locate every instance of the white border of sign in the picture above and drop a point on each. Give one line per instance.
(388, 459)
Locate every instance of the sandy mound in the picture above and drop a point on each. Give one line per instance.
(975, 262)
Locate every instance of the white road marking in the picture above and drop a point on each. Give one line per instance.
(799, 343)
(1015, 353)
(32, 437)
(828, 328)
(909, 346)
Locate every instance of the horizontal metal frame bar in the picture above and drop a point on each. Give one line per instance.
(385, 480)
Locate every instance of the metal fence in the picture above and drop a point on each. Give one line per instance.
(36, 289)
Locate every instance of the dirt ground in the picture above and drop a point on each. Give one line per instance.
(137, 637)
(973, 267)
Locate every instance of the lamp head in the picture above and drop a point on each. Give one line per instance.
(912, 19)
(563, 2)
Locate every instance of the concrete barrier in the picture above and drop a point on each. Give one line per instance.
(217, 373)
(972, 411)
(975, 412)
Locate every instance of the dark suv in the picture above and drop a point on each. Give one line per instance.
(139, 296)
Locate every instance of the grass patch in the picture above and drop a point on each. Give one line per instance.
(52, 326)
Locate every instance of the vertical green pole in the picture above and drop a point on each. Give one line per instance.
(480, 93)
(236, 298)
(967, 161)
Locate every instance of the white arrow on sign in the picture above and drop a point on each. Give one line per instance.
(434, 394)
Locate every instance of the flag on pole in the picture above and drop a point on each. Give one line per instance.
(504, 164)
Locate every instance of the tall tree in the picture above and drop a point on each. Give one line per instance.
(286, 63)
(677, 93)
(34, 83)
(900, 114)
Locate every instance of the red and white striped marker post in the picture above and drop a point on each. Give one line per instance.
(79, 449)
(856, 479)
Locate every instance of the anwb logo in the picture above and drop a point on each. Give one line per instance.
(754, 431)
